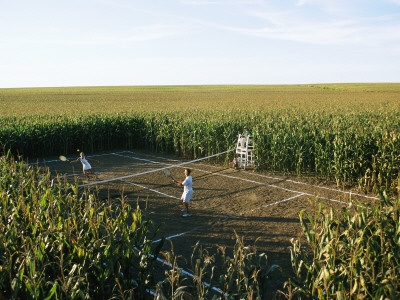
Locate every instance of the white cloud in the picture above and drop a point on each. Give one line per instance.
(132, 35)
(330, 29)
(333, 33)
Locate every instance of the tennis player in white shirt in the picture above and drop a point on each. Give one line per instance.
(85, 164)
(187, 192)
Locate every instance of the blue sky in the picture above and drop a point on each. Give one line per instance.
(166, 42)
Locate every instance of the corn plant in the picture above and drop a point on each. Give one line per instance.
(352, 254)
(243, 275)
(59, 242)
(202, 268)
(173, 286)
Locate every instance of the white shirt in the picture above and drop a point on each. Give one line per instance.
(187, 184)
(85, 163)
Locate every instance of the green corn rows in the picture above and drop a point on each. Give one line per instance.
(58, 243)
(353, 254)
(360, 149)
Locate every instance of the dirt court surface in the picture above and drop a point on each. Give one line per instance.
(258, 206)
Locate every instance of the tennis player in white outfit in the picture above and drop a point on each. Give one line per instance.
(187, 192)
(85, 164)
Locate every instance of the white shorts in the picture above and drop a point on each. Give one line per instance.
(186, 196)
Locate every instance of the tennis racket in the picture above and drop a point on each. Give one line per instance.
(168, 173)
(63, 158)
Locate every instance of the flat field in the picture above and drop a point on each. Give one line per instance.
(334, 98)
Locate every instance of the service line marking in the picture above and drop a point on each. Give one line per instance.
(270, 204)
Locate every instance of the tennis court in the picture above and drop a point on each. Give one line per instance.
(261, 207)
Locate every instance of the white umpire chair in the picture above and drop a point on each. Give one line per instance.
(245, 152)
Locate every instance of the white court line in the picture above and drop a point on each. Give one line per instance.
(248, 180)
(259, 183)
(270, 204)
(160, 157)
(260, 207)
(260, 175)
(167, 195)
(137, 158)
(190, 275)
(316, 186)
(183, 272)
(243, 213)
(152, 171)
(153, 190)
(174, 236)
(77, 175)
